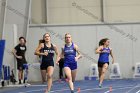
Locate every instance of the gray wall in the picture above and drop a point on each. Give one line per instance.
(85, 11)
(86, 37)
(2, 14)
(17, 13)
(10, 35)
(125, 50)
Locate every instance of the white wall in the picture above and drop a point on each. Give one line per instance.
(73, 11)
(126, 51)
(65, 11)
(122, 47)
(36, 34)
(136, 45)
(122, 10)
(9, 37)
(2, 14)
(38, 11)
(85, 11)
(17, 13)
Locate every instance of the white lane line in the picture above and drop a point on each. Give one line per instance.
(42, 90)
(32, 91)
(124, 88)
(138, 91)
(107, 91)
(132, 89)
(22, 85)
(117, 89)
(107, 88)
(81, 90)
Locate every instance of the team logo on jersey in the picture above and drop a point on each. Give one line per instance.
(22, 48)
(49, 51)
(69, 51)
(106, 51)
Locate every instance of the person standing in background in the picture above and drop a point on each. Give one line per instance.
(61, 67)
(19, 53)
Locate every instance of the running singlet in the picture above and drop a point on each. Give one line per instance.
(104, 57)
(50, 51)
(69, 54)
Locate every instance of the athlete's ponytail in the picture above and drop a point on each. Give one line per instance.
(102, 41)
(41, 41)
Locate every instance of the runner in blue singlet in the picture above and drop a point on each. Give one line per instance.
(70, 60)
(103, 62)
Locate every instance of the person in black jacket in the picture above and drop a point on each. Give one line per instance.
(61, 66)
(19, 53)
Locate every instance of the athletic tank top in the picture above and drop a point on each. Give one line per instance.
(69, 53)
(104, 57)
(50, 55)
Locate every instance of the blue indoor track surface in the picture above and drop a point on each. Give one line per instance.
(91, 86)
